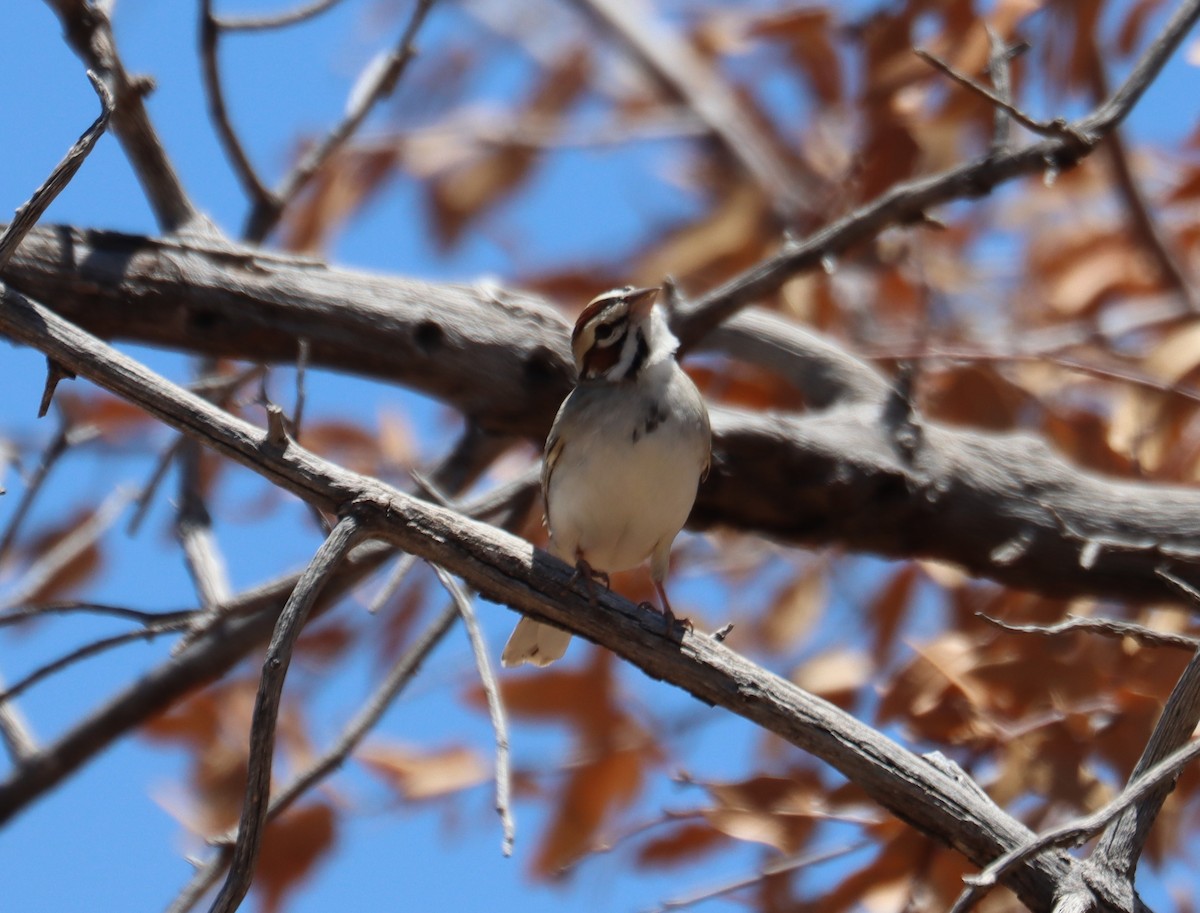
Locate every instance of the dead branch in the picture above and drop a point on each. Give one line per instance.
(266, 708)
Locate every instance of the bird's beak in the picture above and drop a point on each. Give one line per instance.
(641, 300)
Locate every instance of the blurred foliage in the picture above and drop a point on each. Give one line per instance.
(1048, 308)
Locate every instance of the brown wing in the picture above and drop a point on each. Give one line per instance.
(554, 449)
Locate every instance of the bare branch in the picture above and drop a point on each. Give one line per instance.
(280, 20)
(89, 32)
(65, 438)
(147, 632)
(673, 61)
(266, 708)
(28, 214)
(15, 733)
(363, 722)
(1078, 832)
(503, 360)
(1106, 627)
(905, 203)
(386, 74)
(491, 690)
(1121, 846)
(210, 34)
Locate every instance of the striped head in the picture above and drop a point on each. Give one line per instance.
(618, 334)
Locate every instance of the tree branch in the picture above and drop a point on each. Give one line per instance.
(906, 203)
(502, 359)
(266, 708)
(26, 217)
(508, 570)
(380, 78)
(89, 32)
(363, 722)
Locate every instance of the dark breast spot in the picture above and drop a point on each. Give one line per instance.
(651, 419)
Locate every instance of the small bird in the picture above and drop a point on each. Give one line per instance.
(625, 455)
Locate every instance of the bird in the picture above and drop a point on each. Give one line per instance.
(624, 458)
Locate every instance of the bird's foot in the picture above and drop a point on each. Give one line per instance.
(590, 577)
(671, 621)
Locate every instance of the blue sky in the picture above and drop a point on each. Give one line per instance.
(104, 841)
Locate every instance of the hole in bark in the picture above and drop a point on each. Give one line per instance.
(203, 321)
(540, 366)
(428, 337)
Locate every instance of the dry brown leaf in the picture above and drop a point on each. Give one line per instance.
(807, 34)
(890, 607)
(593, 791)
(836, 675)
(684, 844)
(1080, 277)
(345, 442)
(292, 844)
(418, 774)
(340, 188)
(116, 419)
(937, 695)
(1176, 356)
(780, 812)
(67, 578)
(458, 198)
(729, 236)
(792, 613)
(745, 385)
(974, 395)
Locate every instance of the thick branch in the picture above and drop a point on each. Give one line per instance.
(1001, 505)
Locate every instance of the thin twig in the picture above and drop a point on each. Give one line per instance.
(65, 438)
(210, 35)
(352, 734)
(88, 29)
(267, 211)
(1105, 627)
(904, 203)
(999, 57)
(147, 632)
(1055, 128)
(1145, 225)
(1121, 846)
(28, 214)
(303, 350)
(278, 21)
(777, 867)
(193, 529)
(94, 608)
(219, 390)
(491, 689)
(15, 733)
(395, 578)
(1077, 832)
(266, 708)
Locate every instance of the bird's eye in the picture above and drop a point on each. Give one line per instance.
(604, 331)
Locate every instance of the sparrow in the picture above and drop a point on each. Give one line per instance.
(624, 458)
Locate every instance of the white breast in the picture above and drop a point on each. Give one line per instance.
(623, 486)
